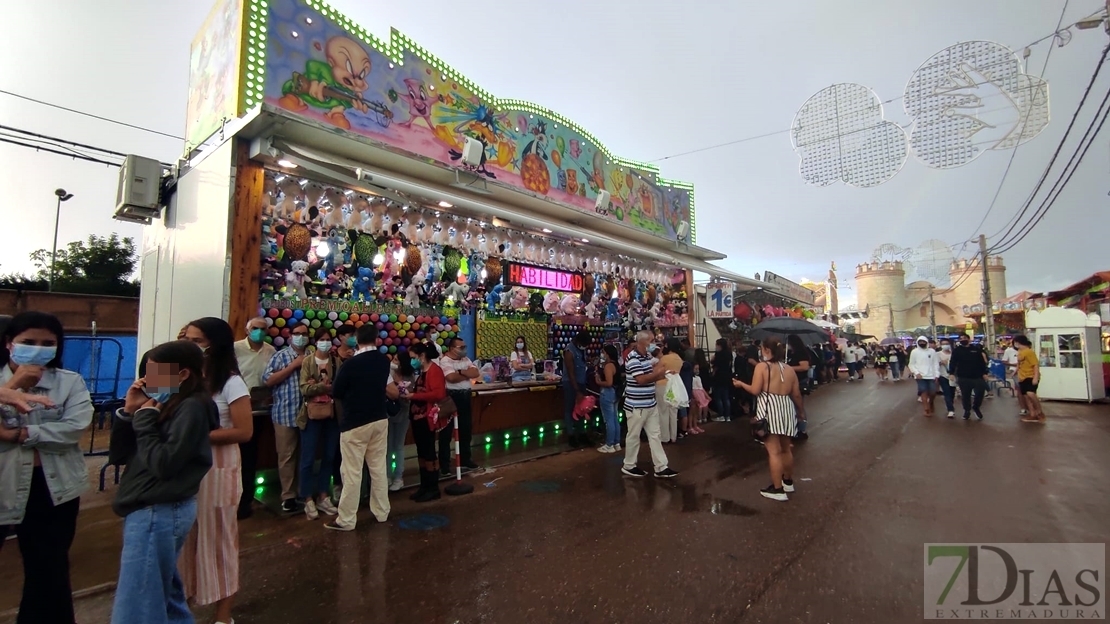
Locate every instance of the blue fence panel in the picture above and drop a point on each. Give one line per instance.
(107, 363)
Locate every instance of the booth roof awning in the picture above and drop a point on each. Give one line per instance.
(350, 173)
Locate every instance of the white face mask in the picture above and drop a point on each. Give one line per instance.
(323, 346)
(520, 345)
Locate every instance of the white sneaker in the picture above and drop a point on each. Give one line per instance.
(396, 485)
(310, 509)
(617, 448)
(605, 448)
(325, 505)
(951, 414)
(1023, 413)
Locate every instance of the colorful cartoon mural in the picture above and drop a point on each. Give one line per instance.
(398, 94)
(214, 84)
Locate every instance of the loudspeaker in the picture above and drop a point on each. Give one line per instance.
(472, 152)
(602, 204)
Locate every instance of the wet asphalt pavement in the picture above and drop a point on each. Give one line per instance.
(568, 539)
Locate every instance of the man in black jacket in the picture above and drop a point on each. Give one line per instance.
(362, 386)
(969, 366)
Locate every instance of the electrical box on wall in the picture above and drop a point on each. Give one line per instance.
(472, 152)
(138, 198)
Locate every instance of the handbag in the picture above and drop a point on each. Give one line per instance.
(439, 416)
(320, 407)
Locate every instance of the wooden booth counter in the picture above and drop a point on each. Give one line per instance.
(503, 405)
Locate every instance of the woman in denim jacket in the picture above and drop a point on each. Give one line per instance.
(42, 468)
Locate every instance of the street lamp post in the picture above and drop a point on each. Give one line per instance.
(62, 196)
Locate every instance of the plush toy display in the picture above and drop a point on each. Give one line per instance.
(295, 279)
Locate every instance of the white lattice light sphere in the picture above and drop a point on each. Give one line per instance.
(969, 98)
(840, 134)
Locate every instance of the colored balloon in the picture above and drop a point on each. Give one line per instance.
(298, 314)
(280, 322)
(286, 313)
(273, 313)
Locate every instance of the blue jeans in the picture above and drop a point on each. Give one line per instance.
(395, 445)
(315, 434)
(609, 413)
(895, 369)
(949, 392)
(571, 425)
(149, 588)
(722, 400)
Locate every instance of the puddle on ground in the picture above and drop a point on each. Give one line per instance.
(706, 503)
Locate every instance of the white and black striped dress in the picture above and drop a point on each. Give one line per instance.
(777, 409)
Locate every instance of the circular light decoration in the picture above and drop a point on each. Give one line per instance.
(969, 98)
(840, 134)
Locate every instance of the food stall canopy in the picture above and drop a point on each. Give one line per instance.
(353, 174)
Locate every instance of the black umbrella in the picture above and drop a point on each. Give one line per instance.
(783, 326)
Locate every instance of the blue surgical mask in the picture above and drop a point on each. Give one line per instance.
(32, 355)
(323, 346)
(519, 345)
(415, 363)
(300, 341)
(161, 395)
(352, 342)
(256, 335)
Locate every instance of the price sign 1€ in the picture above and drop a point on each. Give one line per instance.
(718, 300)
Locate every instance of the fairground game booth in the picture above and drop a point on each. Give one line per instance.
(335, 178)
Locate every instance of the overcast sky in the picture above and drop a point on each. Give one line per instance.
(648, 81)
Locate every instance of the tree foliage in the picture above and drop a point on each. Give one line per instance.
(100, 265)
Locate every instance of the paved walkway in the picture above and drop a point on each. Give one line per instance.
(568, 539)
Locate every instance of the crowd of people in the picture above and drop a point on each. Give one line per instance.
(341, 410)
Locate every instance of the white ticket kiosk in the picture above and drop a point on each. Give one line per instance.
(1068, 345)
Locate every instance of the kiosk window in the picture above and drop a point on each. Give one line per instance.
(1071, 350)
(1047, 351)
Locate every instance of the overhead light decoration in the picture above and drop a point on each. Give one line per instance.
(378, 259)
(322, 250)
(288, 164)
(546, 231)
(443, 204)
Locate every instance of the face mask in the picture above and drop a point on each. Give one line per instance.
(300, 341)
(415, 363)
(256, 335)
(32, 355)
(520, 345)
(351, 342)
(946, 347)
(161, 395)
(323, 346)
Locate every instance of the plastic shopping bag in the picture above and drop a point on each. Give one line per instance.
(676, 392)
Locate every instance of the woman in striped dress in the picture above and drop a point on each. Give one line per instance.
(209, 562)
(778, 408)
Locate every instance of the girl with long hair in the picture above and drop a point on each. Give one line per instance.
(210, 560)
(41, 461)
(317, 374)
(404, 375)
(778, 408)
(162, 435)
(522, 362)
(606, 376)
(430, 389)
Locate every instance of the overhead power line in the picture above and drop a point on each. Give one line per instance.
(1044, 175)
(1013, 152)
(93, 116)
(43, 148)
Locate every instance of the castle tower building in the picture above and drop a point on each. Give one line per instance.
(881, 287)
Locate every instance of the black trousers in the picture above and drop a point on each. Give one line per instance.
(466, 422)
(44, 540)
(968, 387)
(425, 440)
(248, 451)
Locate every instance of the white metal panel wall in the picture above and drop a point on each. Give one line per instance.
(191, 249)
